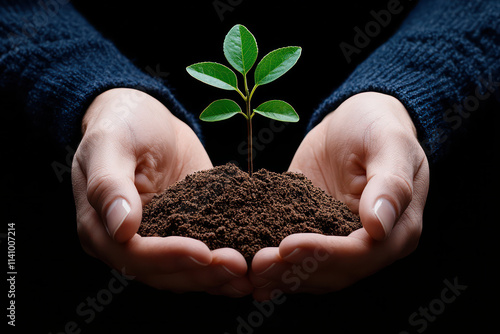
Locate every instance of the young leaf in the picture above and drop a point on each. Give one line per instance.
(214, 74)
(278, 110)
(240, 48)
(220, 110)
(276, 63)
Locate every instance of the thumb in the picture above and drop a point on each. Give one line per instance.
(110, 173)
(388, 192)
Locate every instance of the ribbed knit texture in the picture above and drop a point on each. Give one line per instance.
(442, 52)
(53, 63)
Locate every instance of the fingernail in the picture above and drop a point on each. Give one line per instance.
(229, 271)
(386, 214)
(198, 262)
(116, 215)
(267, 269)
(293, 253)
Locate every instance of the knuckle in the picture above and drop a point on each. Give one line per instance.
(91, 139)
(99, 186)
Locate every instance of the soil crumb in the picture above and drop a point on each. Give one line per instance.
(225, 207)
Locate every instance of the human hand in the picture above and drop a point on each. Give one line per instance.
(367, 155)
(133, 148)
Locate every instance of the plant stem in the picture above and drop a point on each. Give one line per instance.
(249, 125)
(241, 94)
(250, 162)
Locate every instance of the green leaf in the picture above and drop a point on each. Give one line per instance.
(276, 63)
(240, 48)
(214, 74)
(278, 110)
(220, 110)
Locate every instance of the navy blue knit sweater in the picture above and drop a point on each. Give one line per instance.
(443, 61)
(54, 63)
(441, 64)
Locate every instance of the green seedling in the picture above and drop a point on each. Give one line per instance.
(240, 50)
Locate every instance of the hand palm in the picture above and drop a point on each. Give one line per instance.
(364, 151)
(334, 167)
(132, 149)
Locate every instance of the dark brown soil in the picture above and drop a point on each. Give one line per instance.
(224, 207)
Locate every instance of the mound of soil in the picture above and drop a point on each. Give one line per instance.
(225, 207)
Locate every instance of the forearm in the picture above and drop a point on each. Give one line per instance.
(54, 65)
(445, 52)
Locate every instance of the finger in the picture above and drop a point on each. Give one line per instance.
(243, 285)
(267, 266)
(210, 278)
(145, 256)
(155, 255)
(298, 254)
(264, 258)
(333, 262)
(391, 166)
(327, 263)
(87, 219)
(289, 274)
(299, 247)
(231, 260)
(109, 170)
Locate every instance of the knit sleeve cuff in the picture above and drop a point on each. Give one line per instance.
(395, 69)
(77, 72)
(432, 70)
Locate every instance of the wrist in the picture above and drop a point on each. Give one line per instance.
(379, 105)
(119, 104)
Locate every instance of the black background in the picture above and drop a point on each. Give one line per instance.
(459, 237)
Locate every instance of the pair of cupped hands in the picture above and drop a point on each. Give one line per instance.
(365, 153)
